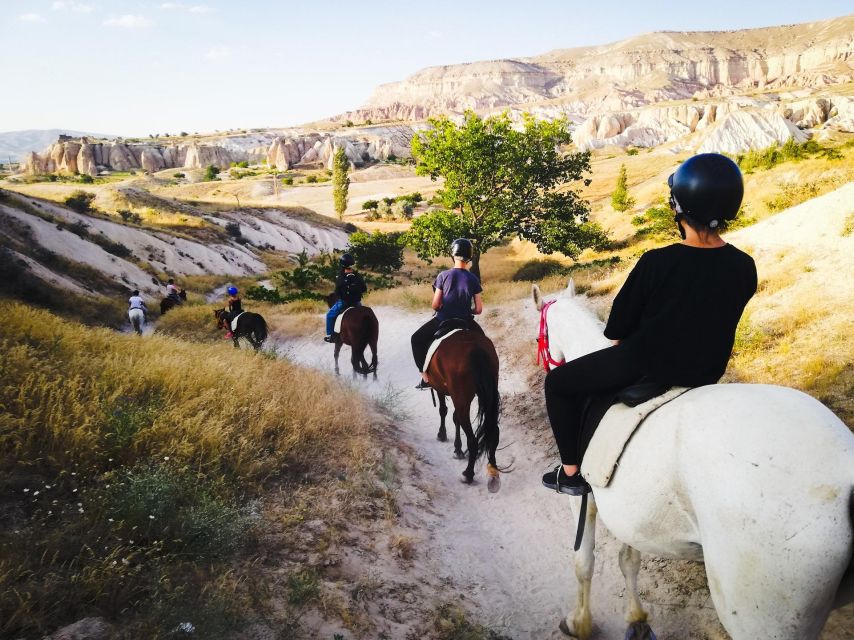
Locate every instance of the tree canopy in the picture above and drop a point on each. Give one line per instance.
(501, 181)
(340, 181)
(620, 199)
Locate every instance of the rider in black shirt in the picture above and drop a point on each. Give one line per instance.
(674, 320)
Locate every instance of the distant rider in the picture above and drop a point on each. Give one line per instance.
(454, 291)
(674, 320)
(350, 287)
(235, 308)
(137, 310)
(172, 291)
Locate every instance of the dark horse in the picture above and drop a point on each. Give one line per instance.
(249, 325)
(169, 302)
(465, 366)
(359, 329)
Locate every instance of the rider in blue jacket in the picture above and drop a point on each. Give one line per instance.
(349, 287)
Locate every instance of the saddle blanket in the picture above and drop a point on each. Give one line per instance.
(435, 345)
(234, 321)
(339, 318)
(611, 436)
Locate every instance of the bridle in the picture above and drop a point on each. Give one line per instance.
(543, 353)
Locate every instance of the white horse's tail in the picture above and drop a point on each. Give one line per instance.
(845, 592)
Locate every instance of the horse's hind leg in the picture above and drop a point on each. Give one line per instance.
(458, 443)
(442, 436)
(461, 418)
(630, 560)
(337, 351)
(494, 482)
(579, 623)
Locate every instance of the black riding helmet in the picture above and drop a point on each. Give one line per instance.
(346, 260)
(462, 248)
(707, 188)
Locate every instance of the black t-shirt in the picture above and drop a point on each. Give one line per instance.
(678, 311)
(350, 287)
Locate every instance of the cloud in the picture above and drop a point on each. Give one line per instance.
(128, 21)
(79, 7)
(30, 17)
(435, 35)
(195, 8)
(171, 5)
(218, 53)
(200, 8)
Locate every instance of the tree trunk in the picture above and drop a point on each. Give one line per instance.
(475, 264)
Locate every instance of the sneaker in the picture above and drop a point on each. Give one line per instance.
(228, 335)
(329, 338)
(574, 485)
(423, 385)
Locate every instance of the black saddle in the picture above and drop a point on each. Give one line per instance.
(446, 326)
(597, 406)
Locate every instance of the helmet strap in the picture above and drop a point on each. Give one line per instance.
(678, 220)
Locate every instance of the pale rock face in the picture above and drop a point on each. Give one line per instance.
(121, 159)
(742, 130)
(86, 160)
(151, 160)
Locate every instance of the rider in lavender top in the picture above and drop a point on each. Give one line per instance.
(456, 295)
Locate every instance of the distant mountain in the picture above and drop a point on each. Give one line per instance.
(16, 144)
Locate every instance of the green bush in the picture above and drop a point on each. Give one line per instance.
(381, 252)
(311, 179)
(233, 229)
(130, 216)
(80, 201)
(631, 151)
(85, 178)
(287, 181)
(179, 175)
(370, 205)
(211, 173)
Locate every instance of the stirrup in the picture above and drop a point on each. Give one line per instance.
(421, 386)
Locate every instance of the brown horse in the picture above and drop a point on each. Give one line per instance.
(169, 302)
(465, 366)
(359, 329)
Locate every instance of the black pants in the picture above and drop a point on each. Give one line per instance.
(570, 385)
(423, 338)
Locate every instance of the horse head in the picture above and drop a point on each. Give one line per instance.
(219, 314)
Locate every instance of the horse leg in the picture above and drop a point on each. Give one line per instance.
(635, 614)
(471, 441)
(579, 623)
(443, 411)
(337, 351)
(494, 482)
(458, 443)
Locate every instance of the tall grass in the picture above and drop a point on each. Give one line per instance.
(128, 468)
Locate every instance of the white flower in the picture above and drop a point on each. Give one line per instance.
(36, 493)
(151, 517)
(74, 491)
(26, 490)
(110, 519)
(80, 511)
(166, 458)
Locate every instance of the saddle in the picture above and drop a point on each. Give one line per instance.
(451, 324)
(234, 321)
(339, 318)
(437, 341)
(609, 420)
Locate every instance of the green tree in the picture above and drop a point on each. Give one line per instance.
(381, 252)
(369, 205)
(211, 172)
(80, 201)
(620, 199)
(501, 181)
(340, 181)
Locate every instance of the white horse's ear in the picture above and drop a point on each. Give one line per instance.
(538, 298)
(570, 287)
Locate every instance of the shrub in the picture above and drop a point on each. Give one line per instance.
(85, 178)
(631, 151)
(311, 179)
(369, 205)
(243, 164)
(179, 175)
(620, 199)
(211, 173)
(233, 229)
(287, 181)
(80, 201)
(381, 252)
(130, 216)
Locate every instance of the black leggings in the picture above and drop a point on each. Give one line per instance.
(569, 386)
(423, 338)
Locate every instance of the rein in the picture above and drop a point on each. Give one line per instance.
(543, 353)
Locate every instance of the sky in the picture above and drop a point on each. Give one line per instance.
(136, 67)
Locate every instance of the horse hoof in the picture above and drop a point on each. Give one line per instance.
(565, 629)
(442, 437)
(459, 455)
(468, 479)
(494, 484)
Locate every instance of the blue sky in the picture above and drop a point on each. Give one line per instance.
(135, 67)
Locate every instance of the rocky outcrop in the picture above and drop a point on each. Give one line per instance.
(744, 129)
(85, 629)
(361, 147)
(621, 76)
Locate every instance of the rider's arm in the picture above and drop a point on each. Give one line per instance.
(437, 300)
(478, 304)
(629, 304)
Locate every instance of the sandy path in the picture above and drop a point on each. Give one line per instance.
(510, 551)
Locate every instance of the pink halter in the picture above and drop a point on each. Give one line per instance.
(543, 353)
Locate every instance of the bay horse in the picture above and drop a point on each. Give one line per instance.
(465, 366)
(169, 303)
(755, 480)
(359, 329)
(251, 326)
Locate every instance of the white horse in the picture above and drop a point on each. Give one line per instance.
(755, 480)
(137, 320)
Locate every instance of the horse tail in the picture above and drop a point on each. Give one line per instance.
(373, 338)
(488, 400)
(360, 343)
(260, 329)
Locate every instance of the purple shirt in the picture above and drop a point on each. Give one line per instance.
(458, 287)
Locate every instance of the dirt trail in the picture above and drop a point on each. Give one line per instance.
(511, 551)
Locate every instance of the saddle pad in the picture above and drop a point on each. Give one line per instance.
(234, 321)
(340, 317)
(613, 433)
(435, 345)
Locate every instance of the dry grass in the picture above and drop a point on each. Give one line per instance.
(125, 426)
